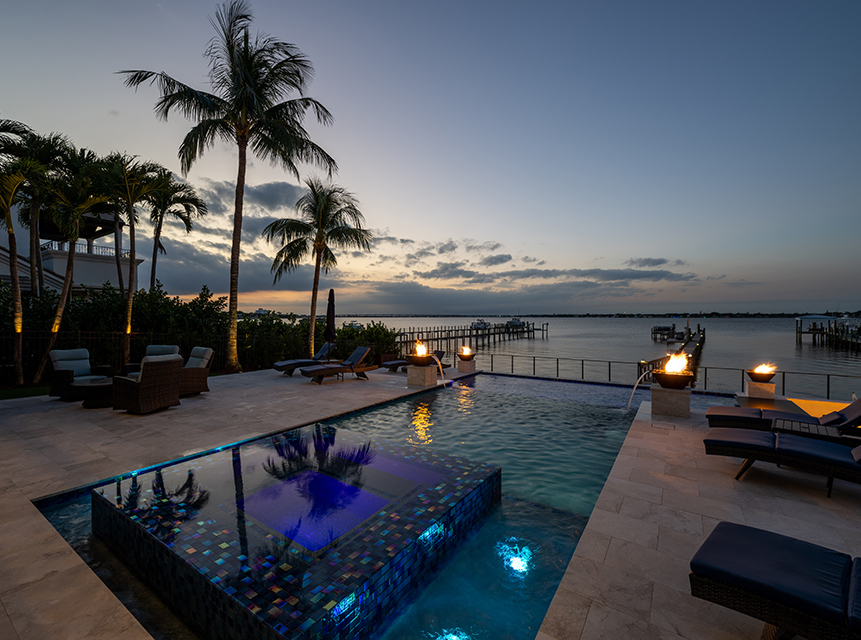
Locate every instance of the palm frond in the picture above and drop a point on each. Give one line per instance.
(201, 137)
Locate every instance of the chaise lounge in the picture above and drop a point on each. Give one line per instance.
(289, 366)
(844, 421)
(353, 364)
(829, 459)
(795, 587)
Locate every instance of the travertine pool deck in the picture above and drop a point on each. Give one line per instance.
(629, 574)
(627, 579)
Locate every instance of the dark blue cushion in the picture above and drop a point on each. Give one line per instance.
(771, 414)
(799, 574)
(853, 608)
(820, 450)
(734, 412)
(741, 438)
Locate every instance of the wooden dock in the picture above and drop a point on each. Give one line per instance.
(451, 338)
(841, 333)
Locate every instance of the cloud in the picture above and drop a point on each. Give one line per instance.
(447, 247)
(473, 246)
(529, 259)
(259, 200)
(499, 258)
(742, 283)
(445, 271)
(721, 277)
(646, 262)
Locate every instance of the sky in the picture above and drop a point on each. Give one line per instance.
(510, 158)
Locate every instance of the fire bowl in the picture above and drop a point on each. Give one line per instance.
(419, 361)
(673, 380)
(760, 377)
(466, 356)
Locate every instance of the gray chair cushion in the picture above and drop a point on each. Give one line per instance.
(199, 358)
(75, 360)
(162, 350)
(156, 359)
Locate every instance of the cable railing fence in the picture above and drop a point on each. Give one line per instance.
(724, 380)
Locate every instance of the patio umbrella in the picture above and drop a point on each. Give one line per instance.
(329, 333)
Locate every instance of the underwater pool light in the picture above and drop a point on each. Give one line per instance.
(516, 555)
(451, 634)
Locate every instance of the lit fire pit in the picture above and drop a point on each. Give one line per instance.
(466, 354)
(420, 358)
(675, 374)
(763, 373)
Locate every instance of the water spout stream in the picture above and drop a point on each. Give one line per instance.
(634, 390)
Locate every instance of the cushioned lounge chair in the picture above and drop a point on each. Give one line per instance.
(394, 365)
(192, 378)
(289, 366)
(795, 587)
(843, 422)
(829, 459)
(353, 364)
(132, 369)
(68, 365)
(157, 386)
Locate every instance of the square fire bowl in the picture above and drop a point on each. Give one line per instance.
(421, 376)
(671, 402)
(760, 389)
(466, 366)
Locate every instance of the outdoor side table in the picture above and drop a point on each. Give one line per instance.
(810, 429)
(98, 393)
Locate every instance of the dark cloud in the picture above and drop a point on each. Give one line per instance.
(646, 262)
(529, 259)
(742, 283)
(447, 247)
(721, 277)
(499, 258)
(259, 200)
(472, 245)
(406, 241)
(446, 270)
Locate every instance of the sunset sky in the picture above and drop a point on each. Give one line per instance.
(510, 157)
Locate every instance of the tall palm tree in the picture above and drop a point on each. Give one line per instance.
(248, 78)
(75, 193)
(130, 182)
(48, 152)
(330, 217)
(177, 199)
(12, 176)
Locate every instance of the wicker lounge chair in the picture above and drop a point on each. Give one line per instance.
(829, 459)
(192, 379)
(157, 386)
(132, 369)
(353, 364)
(795, 587)
(68, 365)
(289, 366)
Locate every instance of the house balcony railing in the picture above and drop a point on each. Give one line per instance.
(83, 247)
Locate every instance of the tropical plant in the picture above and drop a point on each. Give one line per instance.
(330, 217)
(48, 152)
(12, 177)
(248, 77)
(74, 194)
(179, 200)
(130, 182)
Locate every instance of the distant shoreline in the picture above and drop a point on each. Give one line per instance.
(587, 315)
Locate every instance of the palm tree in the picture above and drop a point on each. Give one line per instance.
(248, 78)
(177, 199)
(12, 177)
(75, 193)
(129, 182)
(330, 217)
(48, 152)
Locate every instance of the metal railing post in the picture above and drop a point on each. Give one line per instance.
(533, 365)
(609, 372)
(828, 387)
(512, 364)
(783, 384)
(557, 367)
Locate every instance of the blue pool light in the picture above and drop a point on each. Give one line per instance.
(515, 555)
(452, 634)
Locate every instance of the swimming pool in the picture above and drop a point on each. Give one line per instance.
(555, 442)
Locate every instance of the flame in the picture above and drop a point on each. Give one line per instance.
(765, 368)
(677, 363)
(421, 350)
(466, 350)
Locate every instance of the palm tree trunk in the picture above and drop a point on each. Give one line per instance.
(233, 365)
(314, 288)
(155, 241)
(34, 247)
(41, 267)
(61, 307)
(128, 330)
(117, 253)
(17, 307)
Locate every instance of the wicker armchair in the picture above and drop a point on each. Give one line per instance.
(68, 365)
(157, 386)
(192, 379)
(132, 369)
